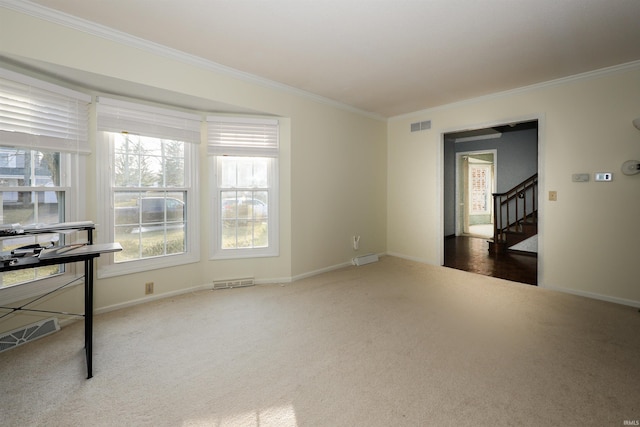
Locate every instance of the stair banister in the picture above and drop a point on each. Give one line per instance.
(503, 202)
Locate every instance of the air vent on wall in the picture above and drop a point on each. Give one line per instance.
(418, 126)
(28, 333)
(233, 283)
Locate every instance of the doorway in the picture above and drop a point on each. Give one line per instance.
(475, 185)
(471, 175)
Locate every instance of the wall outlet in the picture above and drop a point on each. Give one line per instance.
(148, 288)
(553, 196)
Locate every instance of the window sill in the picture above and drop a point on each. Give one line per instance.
(244, 254)
(138, 266)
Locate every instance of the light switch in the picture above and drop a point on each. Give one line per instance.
(553, 196)
(603, 176)
(580, 177)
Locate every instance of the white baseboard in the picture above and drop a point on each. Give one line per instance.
(152, 298)
(409, 258)
(320, 271)
(621, 301)
(208, 286)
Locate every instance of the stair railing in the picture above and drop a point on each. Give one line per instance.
(515, 207)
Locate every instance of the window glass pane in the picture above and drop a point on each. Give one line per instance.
(227, 172)
(252, 172)
(245, 172)
(32, 207)
(173, 164)
(244, 210)
(229, 229)
(148, 162)
(26, 168)
(130, 239)
(150, 146)
(150, 220)
(229, 205)
(29, 274)
(150, 223)
(25, 176)
(259, 208)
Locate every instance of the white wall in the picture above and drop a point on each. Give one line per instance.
(589, 237)
(340, 196)
(332, 166)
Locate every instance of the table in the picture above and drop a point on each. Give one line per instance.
(85, 252)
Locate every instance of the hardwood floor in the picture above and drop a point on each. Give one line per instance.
(472, 254)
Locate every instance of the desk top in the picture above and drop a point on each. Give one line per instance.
(61, 255)
(17, 230)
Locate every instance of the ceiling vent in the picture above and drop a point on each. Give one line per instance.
(418, 126)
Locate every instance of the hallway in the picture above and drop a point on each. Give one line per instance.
(472, 254)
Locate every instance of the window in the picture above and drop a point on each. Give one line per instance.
(244, 165)
(31, 194)
(43, 129)
(149, 187)
(480, 188)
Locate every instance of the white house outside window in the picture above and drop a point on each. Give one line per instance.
(244, 165)
(149, 187)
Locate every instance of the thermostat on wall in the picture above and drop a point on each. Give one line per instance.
(603, 176)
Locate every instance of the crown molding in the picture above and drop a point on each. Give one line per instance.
(60, 18)
(537, 86)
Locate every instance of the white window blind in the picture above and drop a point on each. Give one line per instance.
(231, 136)
(37, 115)
(120, 116)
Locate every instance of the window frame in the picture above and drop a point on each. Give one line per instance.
(71, 166)
(107, 267)
(216, 250)
(235, 136)
(34, 131)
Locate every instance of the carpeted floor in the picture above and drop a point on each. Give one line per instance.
(395, 343)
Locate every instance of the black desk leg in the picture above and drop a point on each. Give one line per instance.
(88, 315)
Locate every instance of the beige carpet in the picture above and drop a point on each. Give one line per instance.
(393, 343)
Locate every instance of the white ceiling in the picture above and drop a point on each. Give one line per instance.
(387, 57)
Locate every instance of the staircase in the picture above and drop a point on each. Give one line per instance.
(516, 215)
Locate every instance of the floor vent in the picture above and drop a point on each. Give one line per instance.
(365, 259)
(234, 283)
(28, 333)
